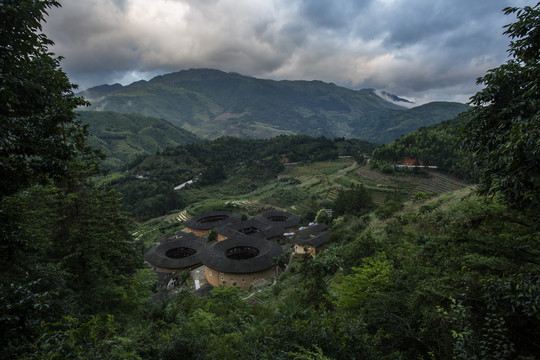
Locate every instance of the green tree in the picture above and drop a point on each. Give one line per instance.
(92, 246)
(38, 131)
(312, 288)
(65, 248)
(322, 217)
(505, 121)
(212, 236)
(392, 204)
(72, 339)
(365, 283)
(306, 354)
(355, 201)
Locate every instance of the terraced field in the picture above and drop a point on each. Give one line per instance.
(303, 189)
(432, 183)
(437, 184)
(242, 204)
(183, 216)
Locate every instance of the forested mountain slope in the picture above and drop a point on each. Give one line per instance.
(213, 103)
(123, 137)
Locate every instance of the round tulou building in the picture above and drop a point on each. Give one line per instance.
(243, 255)
(280, 219)
(202, 224)
(181, 253)
(240, 261)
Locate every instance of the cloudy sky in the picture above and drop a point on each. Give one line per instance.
(423, 50)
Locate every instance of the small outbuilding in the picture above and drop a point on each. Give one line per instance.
(311, 239)
(311, 245)
(310, 231)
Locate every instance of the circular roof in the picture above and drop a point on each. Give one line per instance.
(176, 254)
(260, 253)
(279, 218)
(212, 220)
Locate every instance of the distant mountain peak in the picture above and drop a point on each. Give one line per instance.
(100, 90)
(394, 98)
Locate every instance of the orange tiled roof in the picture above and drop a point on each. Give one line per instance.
(411, 162)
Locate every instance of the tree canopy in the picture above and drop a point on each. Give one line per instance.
(38, 130)
(65, 248)
(504, 127)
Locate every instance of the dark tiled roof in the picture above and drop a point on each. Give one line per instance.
(247, 224)
(156, 255)
(215, 255)
(247, 227)
(279, 218)
(310, 231)
(204, 290)
(317, 241)
(273, 232)
(212, 220)
(252, 227)
(226, 231)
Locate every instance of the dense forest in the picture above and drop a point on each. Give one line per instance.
(449, 276)
(435, 145)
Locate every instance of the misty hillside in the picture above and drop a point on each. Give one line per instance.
(213, 103)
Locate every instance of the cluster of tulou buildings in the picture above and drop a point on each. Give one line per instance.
(244, 252)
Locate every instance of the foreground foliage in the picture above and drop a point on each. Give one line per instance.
(505, 121)
(38, 132)
(455, 276)
(65, 246)
(452, 277)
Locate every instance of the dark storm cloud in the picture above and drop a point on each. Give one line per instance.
(419, 49)
(332, 14)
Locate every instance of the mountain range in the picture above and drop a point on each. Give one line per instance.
(213, 103)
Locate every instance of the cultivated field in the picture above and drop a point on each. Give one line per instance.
(303, 189)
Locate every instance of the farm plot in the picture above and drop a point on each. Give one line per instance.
(433, 183)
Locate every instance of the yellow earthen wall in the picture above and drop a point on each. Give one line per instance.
(242, 281)
(221, 237)
(299, 249)
(197, 232)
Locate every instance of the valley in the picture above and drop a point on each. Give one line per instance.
(328, 223)
(302, 189)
